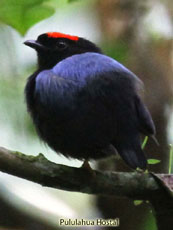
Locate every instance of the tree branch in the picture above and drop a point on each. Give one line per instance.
(135, 185)
(38, 169)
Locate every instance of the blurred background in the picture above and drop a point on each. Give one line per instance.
(136, 33)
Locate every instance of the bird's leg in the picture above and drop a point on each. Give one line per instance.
(86, 166)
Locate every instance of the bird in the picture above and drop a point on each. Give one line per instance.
(84, 104)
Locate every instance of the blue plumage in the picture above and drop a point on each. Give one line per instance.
(93, 63)
(85, 104)
(72, 69)
(59, 84)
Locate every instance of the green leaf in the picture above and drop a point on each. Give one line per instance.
(144, 142)
(21, 14)
(153, 161)
(138, 202)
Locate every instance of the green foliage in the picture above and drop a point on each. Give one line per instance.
(144, 142)
(21, 14)
(150, 161)
(118, 50)
(138, 202)
(149, 223)
(153, 161)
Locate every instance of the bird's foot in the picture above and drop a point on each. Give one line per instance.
(86, 166)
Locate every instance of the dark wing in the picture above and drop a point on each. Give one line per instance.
(146, 123)
(118, 91)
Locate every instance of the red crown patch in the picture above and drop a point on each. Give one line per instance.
(61, 35)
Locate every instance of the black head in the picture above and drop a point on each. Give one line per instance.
(53, 47)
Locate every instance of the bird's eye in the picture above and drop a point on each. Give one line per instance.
(61, 45)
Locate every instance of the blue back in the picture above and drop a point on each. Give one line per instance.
(81, 66)
(58, 84)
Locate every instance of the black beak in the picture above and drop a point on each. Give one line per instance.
(35, 45)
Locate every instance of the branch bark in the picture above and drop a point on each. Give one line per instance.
(134, 185)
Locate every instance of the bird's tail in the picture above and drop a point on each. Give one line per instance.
(131, 152)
